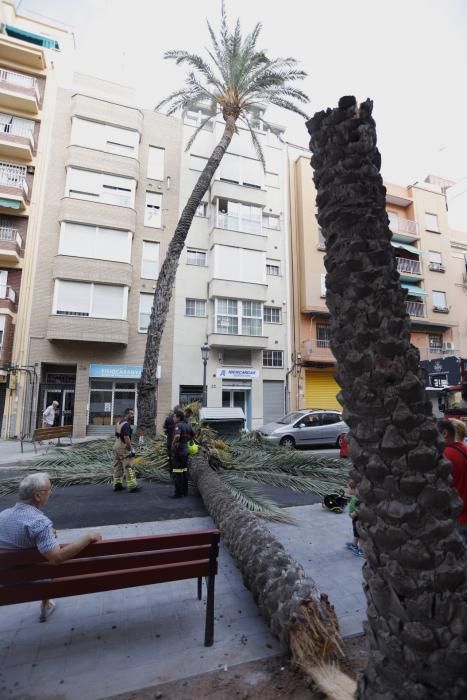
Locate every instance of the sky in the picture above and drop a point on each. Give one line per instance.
(408, 56)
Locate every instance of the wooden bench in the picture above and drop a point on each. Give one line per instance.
(26, 576)
(51, 433)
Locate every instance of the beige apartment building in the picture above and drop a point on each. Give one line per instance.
(31, 52)
(431, 265)
(112, 200)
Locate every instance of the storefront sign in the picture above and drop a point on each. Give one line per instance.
(118, 371)
(237, 373)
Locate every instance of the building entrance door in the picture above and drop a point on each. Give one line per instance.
(66, 404)
(237, 398)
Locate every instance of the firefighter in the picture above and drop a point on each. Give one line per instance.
(169, 430)
(183, 434)
(124, 454)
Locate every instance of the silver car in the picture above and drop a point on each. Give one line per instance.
(306, 427)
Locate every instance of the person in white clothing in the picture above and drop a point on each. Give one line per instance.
(48, 417)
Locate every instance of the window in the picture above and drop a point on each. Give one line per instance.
(100, 187)
(202, 209)
(435, 342)
(236, 216)
(272, 180)
(145, 306)
(94, 242)
(150, 260)
(239, 170)
(236, 357)
(273, 267)
(439, 300)
(239, 264)
(431, 222)
(153, 210)
(197, 162)
(196, 257)
(2, 328)
(440, 380)
(156, 163)
(323, 286)
(104, 137)
(271, 221)
(90, 299)
(329, 418)
(323, 335)
(435, 261)
(272, 314)
(273, 358)
(189, 394)
(235, 317)
(195, 307)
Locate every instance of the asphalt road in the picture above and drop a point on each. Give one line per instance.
(95, 505)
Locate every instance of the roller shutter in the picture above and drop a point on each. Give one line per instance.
(321, 389)
(273, 401)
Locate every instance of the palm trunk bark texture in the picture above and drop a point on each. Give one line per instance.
(415, 569)
(147, 401)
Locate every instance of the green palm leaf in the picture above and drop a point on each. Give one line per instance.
(252, 498)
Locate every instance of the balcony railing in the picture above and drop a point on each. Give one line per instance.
(7, 293)
(317, 347)
(415, 308)
(14, 176)
(400, 225)
(17, 130)
(11, 235)
(19, 80)
(238, 223)
(414, 267)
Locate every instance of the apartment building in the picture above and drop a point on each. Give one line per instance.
(232, 282)
(432, 274)
(30, 51)
(112, 200)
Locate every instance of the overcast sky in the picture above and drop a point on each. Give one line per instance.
(409, 56)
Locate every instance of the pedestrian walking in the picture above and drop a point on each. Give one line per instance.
(50, 415)
(354, 546)
(183, 433)
(25, 526)
(124, 454)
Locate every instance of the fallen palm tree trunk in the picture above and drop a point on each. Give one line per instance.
(290, 602)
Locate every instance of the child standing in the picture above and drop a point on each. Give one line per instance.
(354, 546)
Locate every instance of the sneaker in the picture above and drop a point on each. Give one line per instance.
(350, 545)
(359, 552)
(46, 610)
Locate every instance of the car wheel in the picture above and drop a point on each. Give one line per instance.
(288, 442)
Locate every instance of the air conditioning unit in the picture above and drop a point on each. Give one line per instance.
(448, 346)
(441, 309)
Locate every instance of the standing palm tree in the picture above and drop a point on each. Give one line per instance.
(236, 79)
(415, 574)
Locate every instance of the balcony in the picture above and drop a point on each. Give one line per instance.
(431, 352)
(238, 193)
(403, 230)
(11, 245)
(19, 92)
(17, 51)
(16, 142)
(409, 268)
(225, 340)
(14, 190)
(316, 350)
(7, 298)
(87, 330)
(69, 267)
(416, 309)
(237, 290)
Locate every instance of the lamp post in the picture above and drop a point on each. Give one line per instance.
(205, 355)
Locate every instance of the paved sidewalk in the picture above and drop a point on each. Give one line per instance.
(11, 455)
(99, 645)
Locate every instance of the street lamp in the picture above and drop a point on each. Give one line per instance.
(205, 355)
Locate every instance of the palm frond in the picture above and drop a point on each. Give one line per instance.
(251, 497)
(256, 144)
(197, 131)
(301, 484)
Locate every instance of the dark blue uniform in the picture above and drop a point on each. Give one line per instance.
(185, 433)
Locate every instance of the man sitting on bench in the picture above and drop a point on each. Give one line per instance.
(25, 526)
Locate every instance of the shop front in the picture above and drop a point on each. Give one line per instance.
(321, 389)
(237, 388)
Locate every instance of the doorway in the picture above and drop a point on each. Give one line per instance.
(66, 405)
(238, 398)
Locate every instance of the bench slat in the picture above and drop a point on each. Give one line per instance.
(95, 583)
(119, 562)
(59, 431)
(146, 543)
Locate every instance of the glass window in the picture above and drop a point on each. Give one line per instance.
(434, 257)
(101, 187)
(104, 137)
(323, 285)
(196, 257)
(107, 301)
(202, 209)
(323, 335)
(94, 242)
(431, 222)
(145, 306)
(72, 298)
(273, 358)
(252, 318)
(236, 216)
(439, 300)
(195, 307)
(197, 162)
(273, 267)
(227, 316)
(271, 221)
(153, 210)
(156, 163)
(189, 394)
(435, 342)
(100, 407)
(150, 260)
(272, 314)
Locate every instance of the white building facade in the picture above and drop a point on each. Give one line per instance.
(231, 288)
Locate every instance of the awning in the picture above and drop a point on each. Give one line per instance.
(414, 290)
(38, 39)
(408, 248)
(11, 203)
(221, 414)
